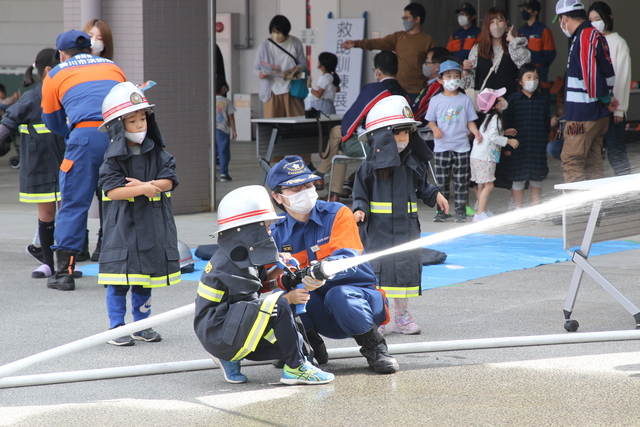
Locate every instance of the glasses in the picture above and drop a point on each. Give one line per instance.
(297, 188)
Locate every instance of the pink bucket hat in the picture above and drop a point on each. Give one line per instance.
(488, 97)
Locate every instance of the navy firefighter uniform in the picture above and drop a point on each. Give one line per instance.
(140, 243)
(41, 151)
(391, 210)
(72, 95)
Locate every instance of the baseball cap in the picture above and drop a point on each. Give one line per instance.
(488, 97)
(71, 39)
(564, 6)
(289, 172)
(467, 8)
(531, 4)
(448, 65)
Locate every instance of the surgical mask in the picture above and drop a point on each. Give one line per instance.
(135, 137)
(526, 15)
(97, 46)
(565, 31)
(303, 201)
(598, 25)
(497, 31)
(277, 37)
(408, 25)
(503, 105)
(530, 86)
(452, 84)
(402, 146)
(463, 21)
(426, 70)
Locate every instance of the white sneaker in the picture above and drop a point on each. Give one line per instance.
(480, 217)
(404, 325)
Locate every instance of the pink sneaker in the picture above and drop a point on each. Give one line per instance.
(403, 325)
(382, 329)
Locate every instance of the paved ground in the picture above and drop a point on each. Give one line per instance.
(570, 385)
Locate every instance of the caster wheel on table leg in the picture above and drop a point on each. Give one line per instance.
(571, 325)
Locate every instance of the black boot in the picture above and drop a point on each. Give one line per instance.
(317, 344)
(374, 348)
(95, 256)
(62, 279)
(84, 255)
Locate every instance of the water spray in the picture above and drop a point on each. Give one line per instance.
(615, 188)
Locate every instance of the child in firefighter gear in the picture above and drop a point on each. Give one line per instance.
(349, 304)
(233, 321)
(385, 201)
(140, 242)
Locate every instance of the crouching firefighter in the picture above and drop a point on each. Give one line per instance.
(349, 304)
(236, 317)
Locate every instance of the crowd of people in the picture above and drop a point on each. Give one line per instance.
(479, 110)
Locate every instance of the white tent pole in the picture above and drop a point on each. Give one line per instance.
(337, 353)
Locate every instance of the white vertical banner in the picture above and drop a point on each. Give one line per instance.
(349, 60)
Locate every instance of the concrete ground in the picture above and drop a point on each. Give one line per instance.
(593, 384)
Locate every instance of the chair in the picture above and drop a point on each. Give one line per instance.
(343, 159)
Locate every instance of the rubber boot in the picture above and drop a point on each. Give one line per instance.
(84, 255)
(62, 279)
(317, 344)
(374, 348)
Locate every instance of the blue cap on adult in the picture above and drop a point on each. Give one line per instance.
(72, 39)
(289, 172)
(448, 65)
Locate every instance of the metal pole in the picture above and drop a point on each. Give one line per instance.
(212, 104)
(337, 353)
(97, 339)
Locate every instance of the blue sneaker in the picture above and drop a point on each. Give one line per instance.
(231, 371)
(305, 374)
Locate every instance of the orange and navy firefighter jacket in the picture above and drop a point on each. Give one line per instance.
(461, 41)
(542, 46)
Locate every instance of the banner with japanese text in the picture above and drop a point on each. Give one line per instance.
(349, 60)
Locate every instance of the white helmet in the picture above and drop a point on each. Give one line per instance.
(124, 98)
(187, 263)
(245, 205)
(392, 111)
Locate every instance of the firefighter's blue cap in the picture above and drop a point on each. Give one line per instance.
(289, 172)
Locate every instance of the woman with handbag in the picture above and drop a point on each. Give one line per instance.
(280, 65)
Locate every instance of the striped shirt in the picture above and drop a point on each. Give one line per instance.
(590, 75)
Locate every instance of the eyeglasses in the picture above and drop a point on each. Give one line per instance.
(297, 188)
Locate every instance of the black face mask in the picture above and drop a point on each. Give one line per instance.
(525, 15)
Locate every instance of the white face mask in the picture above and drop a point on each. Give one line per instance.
(503, 105)
(426, 70)
(135, 137)
(598, 25)
(530, 86)
(277, 37)
(497, 31)
(402, 146)
(463, 21)
(303, 201)
(97, 46)
(565, 31)
(452, 84)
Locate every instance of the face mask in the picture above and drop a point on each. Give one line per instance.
(277, 37)
(135, 137)
(408, 25)
(503, 105)
(565, 31)
(497, 31)
(426, 70)
(530, 86)
(303, 201)
(463, 21)
(525, 15)
(402, 146)
(598, 25)
(452, 84)
(97, 46)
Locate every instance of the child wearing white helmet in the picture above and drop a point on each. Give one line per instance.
(385, 201)
(233, 320)
(140, 243)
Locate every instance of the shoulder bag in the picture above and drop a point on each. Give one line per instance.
(297, 87)
(473, 94)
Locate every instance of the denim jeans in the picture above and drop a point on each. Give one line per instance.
(616, 149)
(223, 147)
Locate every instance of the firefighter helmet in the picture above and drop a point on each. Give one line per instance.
(187, 263)
(124, 98)
(392, 111)
(245, 205)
